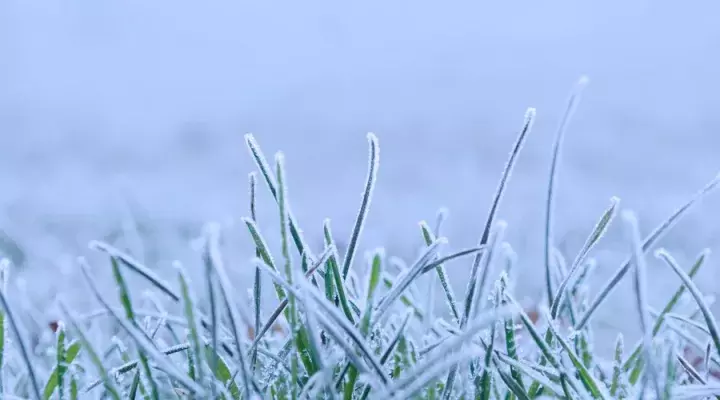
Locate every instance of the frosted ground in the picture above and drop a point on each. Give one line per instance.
(121, 114)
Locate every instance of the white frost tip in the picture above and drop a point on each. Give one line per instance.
(583, 81)
(371, 137)
(661, 252)
(4, 264)
(501, 225)
(530, 113)
(280, 157)
(442, 240)
(177, 265)
(629, 216)
(249, 138)
(614, 200)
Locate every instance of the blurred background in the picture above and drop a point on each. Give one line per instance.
(124, 121)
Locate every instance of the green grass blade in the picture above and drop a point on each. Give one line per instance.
(110, 386)
(66, 354)
(257, 283)
(270, 180)
(442, 274)
(373, 164)
(196, 365)
(126, 303)
(332, 265)
(597, 233)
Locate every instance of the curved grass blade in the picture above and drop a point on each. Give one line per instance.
(373, 163)
(22, 344)
(142, 341)
(597, 233)
(695, 292)
(549, 204)
(649, 241)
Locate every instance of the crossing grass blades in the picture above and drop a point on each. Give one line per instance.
(335, 335)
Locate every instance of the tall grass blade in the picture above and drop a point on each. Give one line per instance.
(214, 262)
(549, 203)
(430, 237)
(373, 164)
(640, 286)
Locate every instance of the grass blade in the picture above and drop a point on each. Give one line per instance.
(373, 164)
(214, 261)
(640, 286)
(549, 204)
(270, 180)
(442, 274)
(695, 292)
(597, 233)
(110, 386)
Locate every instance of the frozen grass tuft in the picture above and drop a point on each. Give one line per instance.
(350, 327)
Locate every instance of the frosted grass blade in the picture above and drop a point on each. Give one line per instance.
(441, 273)
(257, 284)
(695, 292)
(549, 203)
(597, 233)
(332, 265)
(270, 180)
(649, 241)
(126, 303)
(214, 263)
(373, 164)
(110, 386)
(640, 286)
(196, 370)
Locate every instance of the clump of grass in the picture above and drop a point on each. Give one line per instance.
(335, 334)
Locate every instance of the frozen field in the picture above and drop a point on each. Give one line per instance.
(105, 104)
